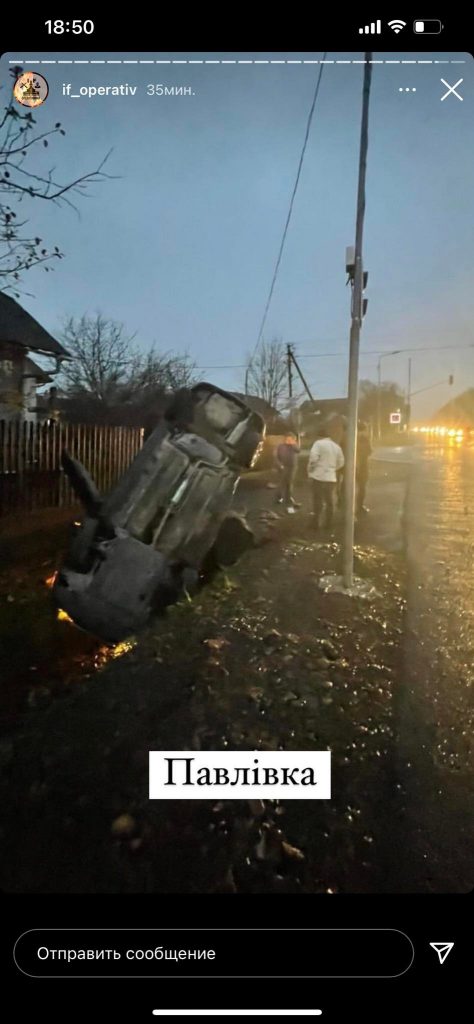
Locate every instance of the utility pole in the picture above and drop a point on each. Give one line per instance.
(289, 360)
(356, 322)
(300, 374)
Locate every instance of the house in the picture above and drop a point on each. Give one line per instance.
(20, 377)
(319, 411)
(325, 407)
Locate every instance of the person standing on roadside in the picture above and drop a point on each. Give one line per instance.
(364, 451)
(339, 435)
(324, 463)
(286, 458)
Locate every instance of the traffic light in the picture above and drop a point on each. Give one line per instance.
(450, 378)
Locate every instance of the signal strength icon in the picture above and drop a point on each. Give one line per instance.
(397, 25)
(374, 29)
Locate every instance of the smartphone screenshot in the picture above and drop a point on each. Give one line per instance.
(236, 518)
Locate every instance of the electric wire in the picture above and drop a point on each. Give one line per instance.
(290, 211)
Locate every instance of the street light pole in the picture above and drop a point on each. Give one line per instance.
(379, 402)
(356, 322)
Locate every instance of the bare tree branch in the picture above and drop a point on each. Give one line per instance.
(107, 370)
(266, 372)
(20, 252)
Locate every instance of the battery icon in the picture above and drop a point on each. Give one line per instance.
(428, 27)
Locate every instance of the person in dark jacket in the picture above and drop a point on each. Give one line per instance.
(286, 459)
(364, 451)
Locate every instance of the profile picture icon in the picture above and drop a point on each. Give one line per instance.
(30, 89)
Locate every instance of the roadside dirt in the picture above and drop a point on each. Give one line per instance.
(261, 659)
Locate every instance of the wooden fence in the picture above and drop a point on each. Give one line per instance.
(31, 476)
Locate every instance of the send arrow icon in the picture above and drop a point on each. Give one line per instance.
(443, 949)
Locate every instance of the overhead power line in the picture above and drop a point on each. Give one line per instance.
(382, 351)
(290, 210)
(337, 355)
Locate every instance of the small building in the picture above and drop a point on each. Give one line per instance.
(325, 407)
(20, 376)
(316, 413)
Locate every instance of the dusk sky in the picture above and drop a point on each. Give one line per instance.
(181, 246)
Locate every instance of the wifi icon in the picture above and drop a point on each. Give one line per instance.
(397, 25)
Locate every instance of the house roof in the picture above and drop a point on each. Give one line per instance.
(31, 369)
(20, 328)
(326, 405)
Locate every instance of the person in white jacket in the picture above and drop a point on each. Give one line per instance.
(325, 461)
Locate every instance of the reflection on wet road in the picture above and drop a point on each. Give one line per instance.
(436, 699)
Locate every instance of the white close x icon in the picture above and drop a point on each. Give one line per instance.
(452, 89)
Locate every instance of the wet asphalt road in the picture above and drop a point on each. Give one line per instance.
(434, 775)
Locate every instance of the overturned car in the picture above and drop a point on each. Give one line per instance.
(140, 545)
